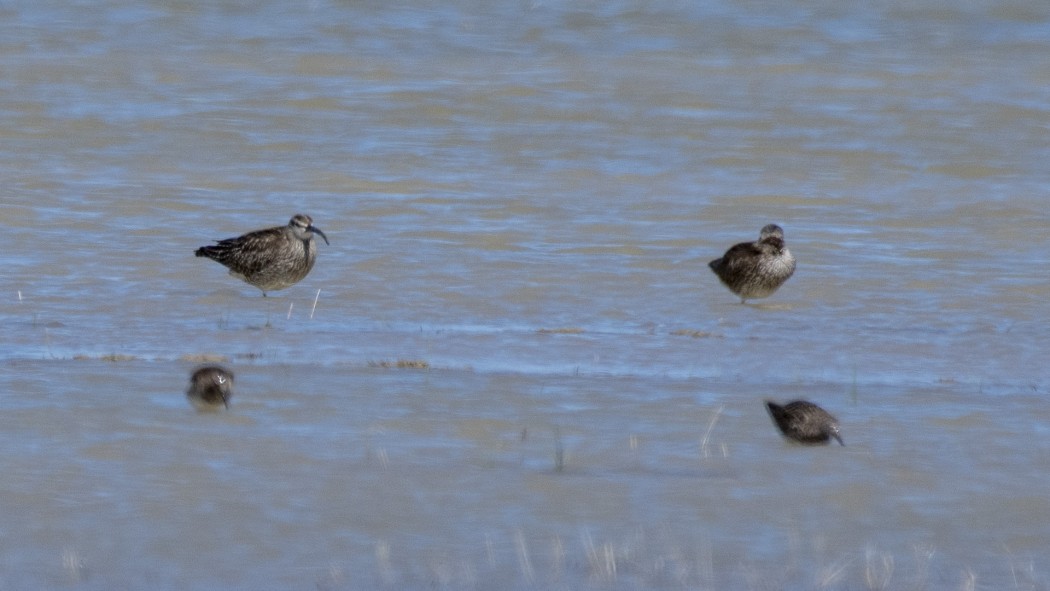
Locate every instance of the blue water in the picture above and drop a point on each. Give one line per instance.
(523, 198)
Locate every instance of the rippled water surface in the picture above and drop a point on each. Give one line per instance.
(511, 368)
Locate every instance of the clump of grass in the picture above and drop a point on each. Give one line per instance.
(73, 563)
(204, 358)
(602, 560)
(878, 569)
(112, 357)
(696, 334)
(401, 364)
(561, 330)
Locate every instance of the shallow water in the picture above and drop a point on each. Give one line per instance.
(523, 198)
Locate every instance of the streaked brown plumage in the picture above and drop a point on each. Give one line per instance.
(756, 269)
(270, 259)
(804, 422)
(211, 387)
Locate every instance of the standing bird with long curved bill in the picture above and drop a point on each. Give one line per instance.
(754, 270)
(270, 259)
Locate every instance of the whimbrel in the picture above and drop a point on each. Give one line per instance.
(756, 269)
(211, 387)
(804, 422)
(270, 259)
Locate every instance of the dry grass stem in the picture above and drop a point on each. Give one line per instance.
(386, 571)
(707, 434)
(523, 557)
(557, 557)
(559, 451)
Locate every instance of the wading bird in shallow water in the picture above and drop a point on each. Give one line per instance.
(804, 422)
(211, 387)
(270, 259)
(754, 270)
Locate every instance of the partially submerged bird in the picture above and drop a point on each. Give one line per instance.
(270, 259)
(211, 387)
(756, 269)
(804, 422)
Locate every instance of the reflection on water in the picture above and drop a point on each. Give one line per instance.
(523, 200)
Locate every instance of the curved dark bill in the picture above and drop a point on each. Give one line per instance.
(313, 229)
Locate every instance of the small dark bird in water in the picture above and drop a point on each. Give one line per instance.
(270, 259)
(756, 269)
(211, 387)
(804, 422)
